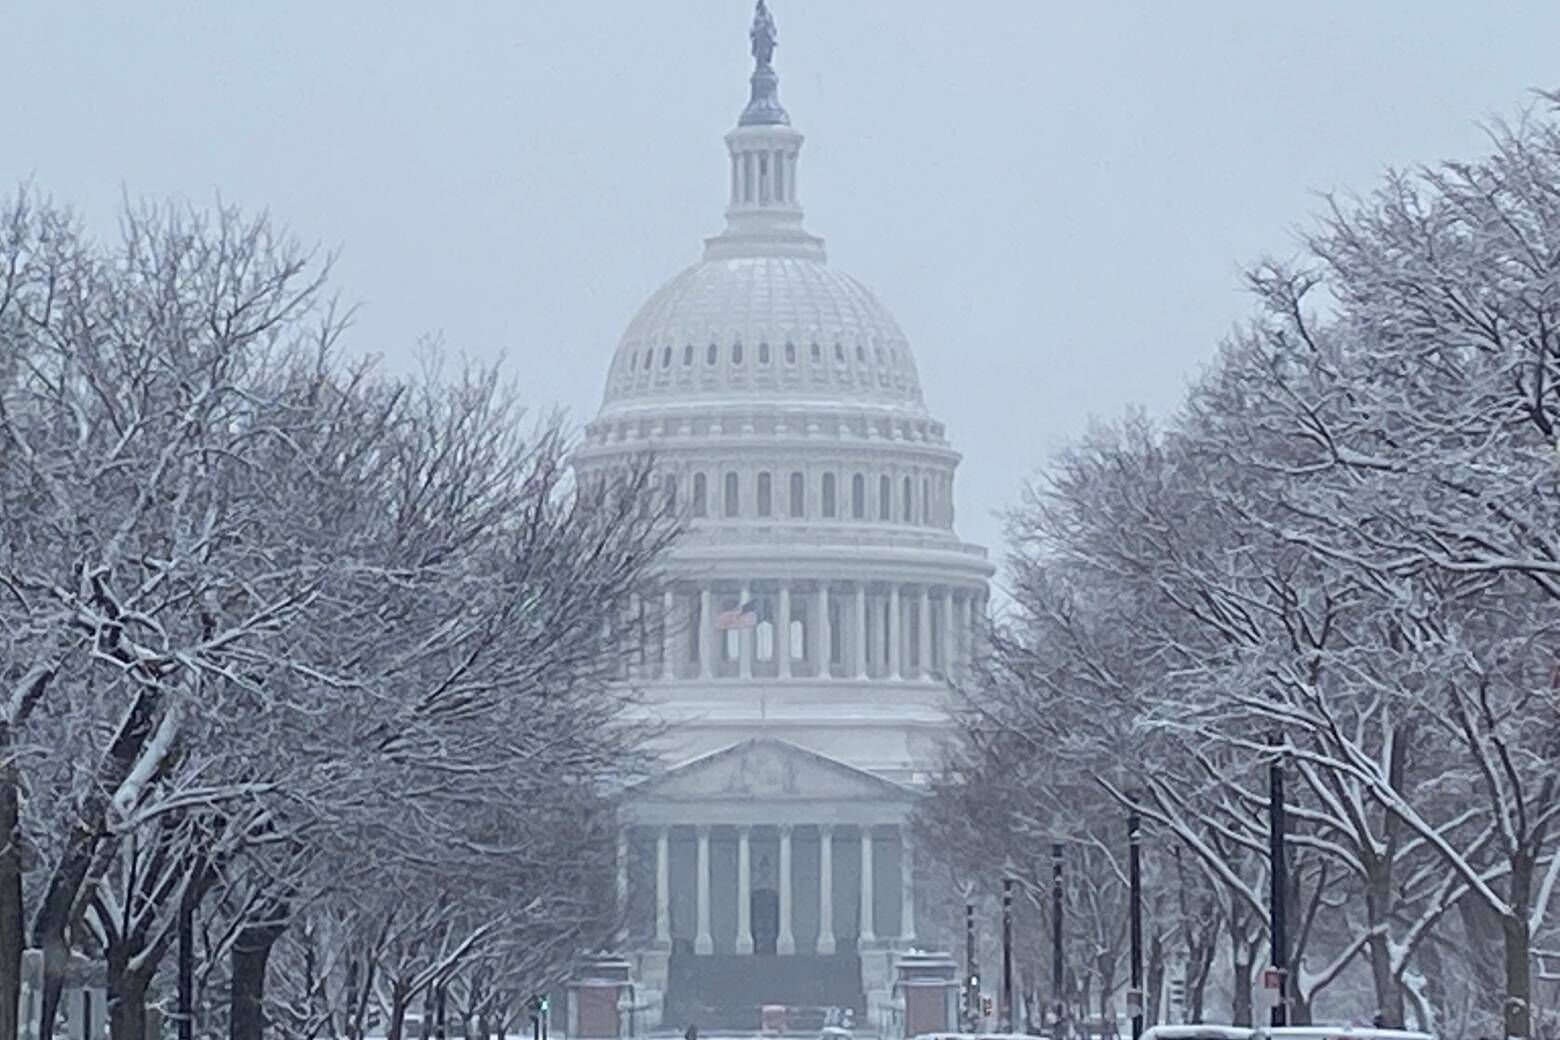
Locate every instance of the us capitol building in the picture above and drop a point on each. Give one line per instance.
(801, 649)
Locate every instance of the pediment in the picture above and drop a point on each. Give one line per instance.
(769, 770)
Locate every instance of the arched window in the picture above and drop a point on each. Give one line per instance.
(817, 353)
(688, 355)
(701, 496)
(798, 640)
(798, 495)
(828, 495)
(736, 353)
(885, 498)
(926, 501)
(858, 496)
(666, 357)
(733, 503)
(649, 356)
(764, 641)
(763, 353)
(907, 508)
(839, 355)
(765, 495)
(712, 355)
(669, 493)
(861, 354)
(790, 353)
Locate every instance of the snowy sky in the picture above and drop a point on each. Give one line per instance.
(1054, 199)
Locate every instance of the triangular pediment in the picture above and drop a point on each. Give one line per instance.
(770, 770)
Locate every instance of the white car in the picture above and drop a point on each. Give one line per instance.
(1197, 1032)
(1336, 1033)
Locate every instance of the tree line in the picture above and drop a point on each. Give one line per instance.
(1340, 552)
(306, 703)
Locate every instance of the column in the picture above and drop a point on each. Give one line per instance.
(950, 637)
(744, 890)
(906, 886)
(663, 888)
(895, 659)
(669, 635)
(825, 632)
(786, 941)
(861, 630)
(923, 660)
(622, 882)
(825, 889)
(706, 635)
(745, 636)
(783, 633)
(866, 888)
(967, 630)
(702, 942)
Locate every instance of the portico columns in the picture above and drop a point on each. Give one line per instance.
(967, 629)
(950, 638)
(861, 630)
(923, 657)
(786, 941)
(703, 943)
(895, 661)
(622, 882)
(745, 636)
(783, 633)
(825, 632)
(669, 635)
(865, 932)
(744, 890)
(663, 888)
(826, 888)
(906, 886)
(706, 635)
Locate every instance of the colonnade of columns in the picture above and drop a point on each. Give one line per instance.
(785, 942)
(849, 630)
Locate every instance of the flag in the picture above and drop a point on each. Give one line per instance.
(745, 616)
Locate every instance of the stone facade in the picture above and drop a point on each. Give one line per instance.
(801, 645)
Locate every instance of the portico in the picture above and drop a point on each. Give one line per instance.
(766, 850)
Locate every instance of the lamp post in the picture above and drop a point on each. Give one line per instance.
(1135, 915)
(971, 970)
(1278, 875)
(1007, 955)
(1058, 977)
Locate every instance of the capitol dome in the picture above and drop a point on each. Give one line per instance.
(762, 326)
(799, 648)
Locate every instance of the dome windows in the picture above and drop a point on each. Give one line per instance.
(765, 494)
(688, 356)
(839, 355)
(858, 497)
(790, 353)
(712, 355)
(817, 353)
(829, 494)
(736, 353)
(666, 358)
(861, 354)
(649, 357)
(798, 495)
(763, 353)
(885, 498)
(907, 506)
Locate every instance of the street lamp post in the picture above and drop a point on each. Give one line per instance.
(1058, 977)
(1135, 915)
(1278, 875)
(1007, 955)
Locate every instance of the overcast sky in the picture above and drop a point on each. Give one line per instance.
(1054, 199)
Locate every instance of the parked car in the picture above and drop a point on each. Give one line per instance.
(1325, 1032)
(1200, 1031)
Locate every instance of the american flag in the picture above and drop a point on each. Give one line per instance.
(745, 616)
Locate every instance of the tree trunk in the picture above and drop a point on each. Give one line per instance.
(1516, 1012)
(1240, 988)
(126, 1002)
(397, 1024)
(1154, 987)
(251, 954)
(12, 925)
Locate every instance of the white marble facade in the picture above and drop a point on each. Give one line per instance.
(780, 405)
